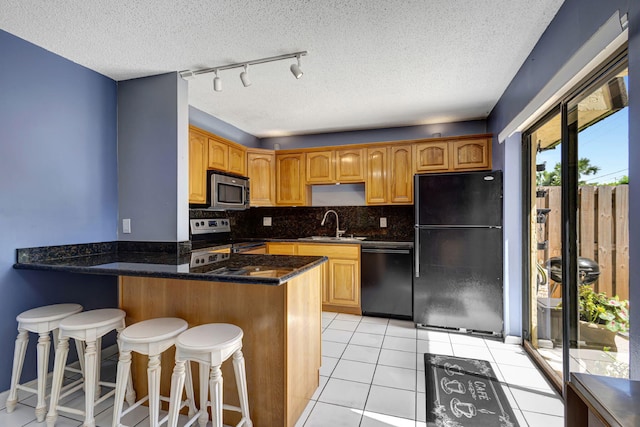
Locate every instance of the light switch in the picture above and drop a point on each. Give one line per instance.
(126, 225)
(266, 221)
(383, 222)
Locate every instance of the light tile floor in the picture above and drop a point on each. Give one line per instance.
(372, 375)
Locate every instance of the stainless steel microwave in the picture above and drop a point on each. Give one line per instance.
(228, 191)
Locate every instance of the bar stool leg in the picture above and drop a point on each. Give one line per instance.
(241, 385)
(177, 384)
(124, 368)
(204, 394)
(58, 373)
(153, 380)
(215, 385)
(44, 344)
(18, 360)
(80, 351)
(190, 392)
(90, 364)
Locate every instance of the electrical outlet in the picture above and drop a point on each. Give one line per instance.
(126, 225)
(383, 222)
(266, 221)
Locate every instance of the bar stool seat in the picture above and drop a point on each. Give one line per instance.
(41, 321)
(150, 337)
(209, 345)
(90, 327)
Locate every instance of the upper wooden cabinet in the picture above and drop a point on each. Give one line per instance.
(389, 175)
(376, 184)
(291, 189)
(350, 165)
(400, 175)
(320, 167)
(261, 170)
(218, 155)
(227, 156)
(332, 166)
(431, 156)
(471, 154)
(198, 150)
(453, 155)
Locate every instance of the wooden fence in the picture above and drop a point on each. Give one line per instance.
(603, 232)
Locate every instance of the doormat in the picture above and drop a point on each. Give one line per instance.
(464, 392)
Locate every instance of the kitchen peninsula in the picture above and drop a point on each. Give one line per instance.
(276, 300)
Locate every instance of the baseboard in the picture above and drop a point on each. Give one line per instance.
(512, 339)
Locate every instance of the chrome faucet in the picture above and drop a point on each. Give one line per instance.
(339, 232)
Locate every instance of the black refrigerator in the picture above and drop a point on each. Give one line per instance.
(458, 252)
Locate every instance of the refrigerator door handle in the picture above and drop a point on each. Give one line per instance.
(416, 251)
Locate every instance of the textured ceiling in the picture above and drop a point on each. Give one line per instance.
(370, 63)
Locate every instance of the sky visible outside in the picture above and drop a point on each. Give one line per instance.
(605, 144)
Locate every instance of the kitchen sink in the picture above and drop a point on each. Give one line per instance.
(333, 238)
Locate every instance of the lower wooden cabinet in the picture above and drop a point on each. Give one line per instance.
(340, 276)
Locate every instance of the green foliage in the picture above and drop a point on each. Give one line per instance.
(553, 177)
(601, 309)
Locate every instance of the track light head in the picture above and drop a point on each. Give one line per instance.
(217, 82)
(295, 69)
(244, 76)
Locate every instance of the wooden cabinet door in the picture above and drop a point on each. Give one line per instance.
(432, 156)
(237, 161)
(320, 167)
(471, 154)
(350, 165)
(197, 167)
(344, 276)
(376, 183)
(290, 184)
(218, 155)
(400, 175)
(261, 170)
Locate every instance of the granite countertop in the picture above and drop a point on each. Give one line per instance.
(106, 259)
(366, 243)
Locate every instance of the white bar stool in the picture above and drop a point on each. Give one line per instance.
(151, 337)
(209, 345)
(42, 321)
(90, 327)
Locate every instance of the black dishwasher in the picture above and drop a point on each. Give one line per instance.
(387, 281)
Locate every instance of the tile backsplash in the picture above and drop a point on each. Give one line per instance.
(295, 222)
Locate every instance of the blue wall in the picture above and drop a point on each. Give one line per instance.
(574, 24)
(57, 180)
(221, 128)
(376, 135)
(153, 175)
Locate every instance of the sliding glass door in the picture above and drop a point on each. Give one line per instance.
(576, 182)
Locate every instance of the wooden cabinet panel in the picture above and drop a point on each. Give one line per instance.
(338, 250)
(376, 183)
(261, 170)
(432, 156)
(471, 154)
(237, 161)
(290, 183)
(350, 165)
(320, 167)
(218, 155)
(344, 275)
(197, 167)
(400, 175)
(280, 248)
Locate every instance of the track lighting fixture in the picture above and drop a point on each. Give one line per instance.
(244, 75)
(295, 69)
(217, 82)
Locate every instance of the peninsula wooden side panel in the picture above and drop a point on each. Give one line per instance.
(281, 344)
